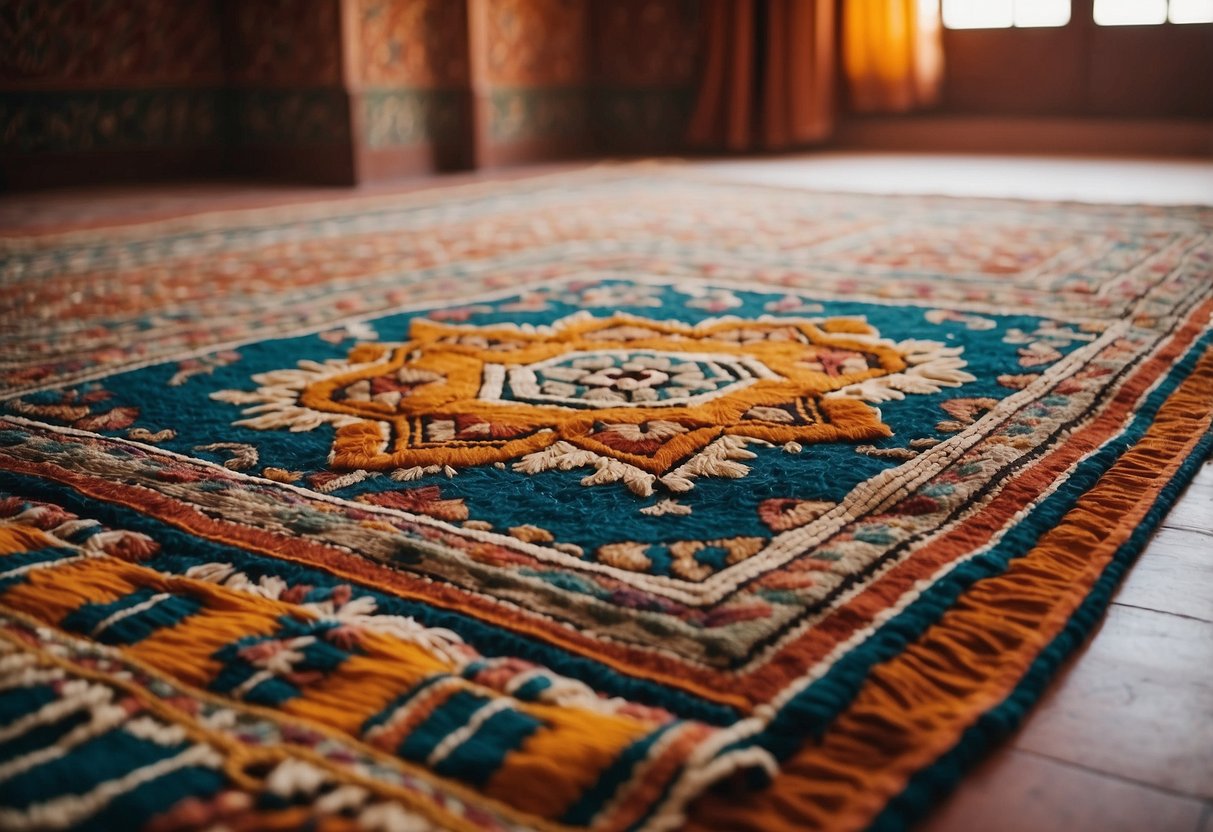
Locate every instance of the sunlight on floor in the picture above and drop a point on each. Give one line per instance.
(1029, 177)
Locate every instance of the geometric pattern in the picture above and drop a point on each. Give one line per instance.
(556, 502)
(632, 391)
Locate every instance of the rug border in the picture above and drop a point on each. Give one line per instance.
(929, 786)
(886, 811)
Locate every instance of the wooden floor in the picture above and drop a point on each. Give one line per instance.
(1123, 740)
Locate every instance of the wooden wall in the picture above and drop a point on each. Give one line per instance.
(1078, 89)
(1081, 70)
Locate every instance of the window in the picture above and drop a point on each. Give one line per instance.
(1191, 11)
(1123, 58)
(1002, 14)
(1152, 12)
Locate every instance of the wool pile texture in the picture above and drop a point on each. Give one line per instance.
(615, 499)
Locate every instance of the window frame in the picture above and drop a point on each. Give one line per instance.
(1087, 6)
(1079, 69)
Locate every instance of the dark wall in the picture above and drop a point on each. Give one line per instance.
(120, 87)
(646, 56)
(102, 90)
(288, 106)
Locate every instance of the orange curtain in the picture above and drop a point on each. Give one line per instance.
(768, 79)
(892, 54)
(771, 67)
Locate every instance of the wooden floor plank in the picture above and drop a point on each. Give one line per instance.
(1135, 704)
(1018, 791)
(1174, 574)
(1194, 511)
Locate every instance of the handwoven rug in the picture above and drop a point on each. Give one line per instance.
(613, 499)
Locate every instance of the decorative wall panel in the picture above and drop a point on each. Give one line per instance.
(646, 43)
(300, 86)
(412, 82)
(402, 117)
(646, 55)
(283, 43)
(291, 117)
(103, 120)
(412, 43)
(86, 77)
(533, 43)
(109, 43)
(542, 112)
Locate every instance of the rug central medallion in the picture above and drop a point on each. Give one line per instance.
(642, 402)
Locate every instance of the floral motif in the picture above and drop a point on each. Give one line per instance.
(642, 402)
(611, 379)
(83, 408)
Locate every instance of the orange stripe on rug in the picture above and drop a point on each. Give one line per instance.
(359, 570)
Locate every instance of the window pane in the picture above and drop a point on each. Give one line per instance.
(1192, 11)
(1042, 12)
(977, 14)
(1130, 12)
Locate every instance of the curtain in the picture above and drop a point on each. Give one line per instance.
(771, 67)
(892, 54)
(769, 74)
